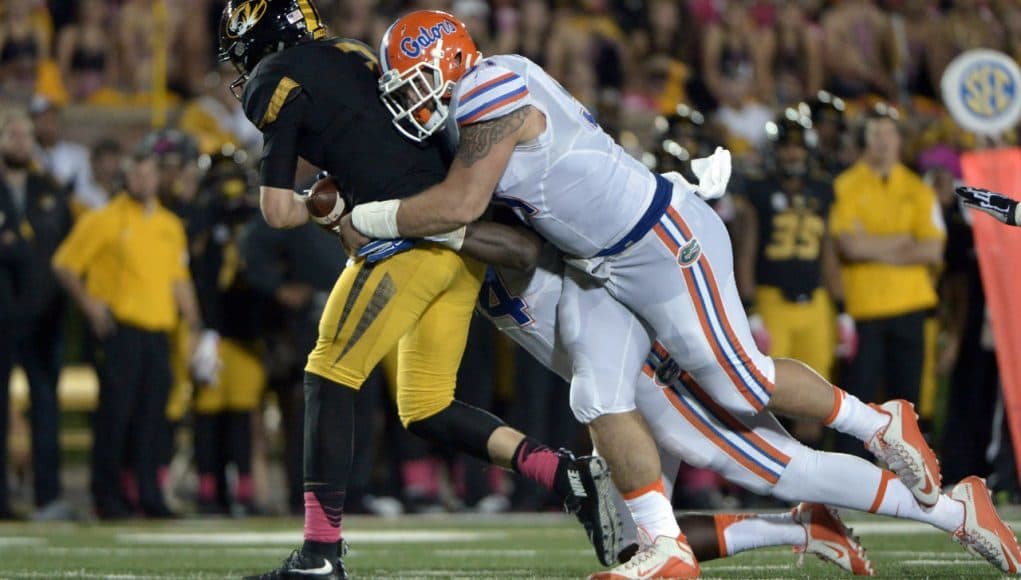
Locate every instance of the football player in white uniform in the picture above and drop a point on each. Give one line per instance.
(754, 452)
(648, 243)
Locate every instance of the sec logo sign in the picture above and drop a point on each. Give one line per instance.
(982, 91)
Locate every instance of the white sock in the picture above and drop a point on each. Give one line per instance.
(851, 416)
(851, 482)
(947, 514)
(752, 531)
(652, 512)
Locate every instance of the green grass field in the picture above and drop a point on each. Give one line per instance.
(464, 547)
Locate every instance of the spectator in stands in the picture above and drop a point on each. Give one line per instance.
(41, 210)
(105, 162)
(14, 283)
(889, 231)
(525, 31)
(66, 161)
(216, 119)
(24, 43)
(967, 24)
(859, 50)
(85, 51)
(795, 44)
(126, 267)
(736, 70)
(737, 58)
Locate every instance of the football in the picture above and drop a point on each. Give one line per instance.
(325, 203)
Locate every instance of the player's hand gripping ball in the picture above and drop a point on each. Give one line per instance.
(326, 205)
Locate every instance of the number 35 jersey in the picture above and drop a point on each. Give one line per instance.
(792, 228)
(573, 183)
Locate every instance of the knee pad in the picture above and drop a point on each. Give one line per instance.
(461, 427)
(592, 398)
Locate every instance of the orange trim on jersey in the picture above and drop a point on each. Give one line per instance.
(838, 401)
(717, 299)
(484, 86)
(660, 350)
(647, 370)
(493, 107)
(722, 444)
(881, 492)
(733, 422)
(654, 486)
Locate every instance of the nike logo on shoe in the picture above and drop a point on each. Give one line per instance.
(574, 478)
(326, 568)
(928, 486)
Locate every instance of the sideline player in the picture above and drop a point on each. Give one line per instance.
(316, 97)
(660, 251)
(753, 452)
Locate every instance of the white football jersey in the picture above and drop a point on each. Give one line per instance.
(573, 184)
(524, 306)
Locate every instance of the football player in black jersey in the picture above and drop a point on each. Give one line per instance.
(316, 96)
(787, 270)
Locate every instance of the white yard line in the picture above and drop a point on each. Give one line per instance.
(294, 538)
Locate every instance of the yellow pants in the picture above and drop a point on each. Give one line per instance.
(420, 302)
(801, 330)
(930, 388)
(240, 384)
(179, 399)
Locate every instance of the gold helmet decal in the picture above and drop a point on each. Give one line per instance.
(245, 17)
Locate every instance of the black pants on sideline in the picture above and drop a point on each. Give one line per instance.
(135, 378)
(891, 353)
(6, 367)
(39, 354)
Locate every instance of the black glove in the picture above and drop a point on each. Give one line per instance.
(995, 204)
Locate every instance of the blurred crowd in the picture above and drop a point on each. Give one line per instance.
(818, 100)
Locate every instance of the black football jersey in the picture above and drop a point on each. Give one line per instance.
(320, 100)
(792, 226)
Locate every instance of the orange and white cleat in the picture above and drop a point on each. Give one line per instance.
(665, 558)
(983, 532)
(828, 538)
(901, 446)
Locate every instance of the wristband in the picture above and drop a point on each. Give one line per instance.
(377, 219)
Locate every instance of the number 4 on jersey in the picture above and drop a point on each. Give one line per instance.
(497, 302)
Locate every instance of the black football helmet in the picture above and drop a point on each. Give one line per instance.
(792, 130)
(252, 29)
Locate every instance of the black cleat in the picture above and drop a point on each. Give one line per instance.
(591, 500)
(299, 566)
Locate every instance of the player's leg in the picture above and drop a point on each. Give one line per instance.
(207, 440)
(699, 317)
(244, 379)
(607, 345)
(430, 355)
(369, 309)
(758, 454)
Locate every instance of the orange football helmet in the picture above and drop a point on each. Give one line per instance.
(423, 55)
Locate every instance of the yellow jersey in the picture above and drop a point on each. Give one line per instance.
(900, 204)
(130, 259)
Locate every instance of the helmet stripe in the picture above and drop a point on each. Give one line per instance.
(311, 19)
(384, 47)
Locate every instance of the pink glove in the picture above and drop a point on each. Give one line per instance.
(847, 337)
(759, 333)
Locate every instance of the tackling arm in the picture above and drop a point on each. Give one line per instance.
(483, 153)
(502, 245)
